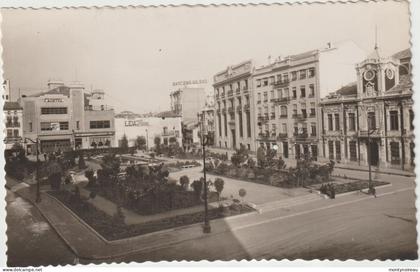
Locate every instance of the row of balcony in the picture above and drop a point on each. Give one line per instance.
(282, 136)
(231, 110)
(230, 92)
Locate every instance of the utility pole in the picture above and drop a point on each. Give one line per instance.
(206, 227)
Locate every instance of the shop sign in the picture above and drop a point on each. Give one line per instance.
(190, 82)
(53, 100)
(135, 123)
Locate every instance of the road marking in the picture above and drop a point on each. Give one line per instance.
(317, 209)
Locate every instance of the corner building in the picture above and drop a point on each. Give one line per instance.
(67, 117)
(234, 116)
(379, 107)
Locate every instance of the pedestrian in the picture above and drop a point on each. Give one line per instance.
(45, 156)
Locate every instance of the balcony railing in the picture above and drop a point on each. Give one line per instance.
(98, 108)
(311, 96)
(13, 124)
(12, 139)
(231, 122)
(371, 133)
(282, 136)
(230, 92)
(300, 135)
(246, 107)
(272, 116)
(281, 83)
(283, 115)
(238, 90)
(264, 135)
(231, 110)
(262, 118)
(282, 100)
(245, 88)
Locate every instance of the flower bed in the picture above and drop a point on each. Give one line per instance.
(356, 185)
(112, 228)
(149, 204)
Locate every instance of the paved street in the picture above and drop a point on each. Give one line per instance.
(31, 241)
(372, 228)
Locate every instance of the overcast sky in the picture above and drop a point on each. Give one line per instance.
(135, 54)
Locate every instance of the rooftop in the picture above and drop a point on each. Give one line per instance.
(63, 90)
(406, 53)
(167, 114)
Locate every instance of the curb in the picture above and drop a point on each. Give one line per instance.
(380, 172)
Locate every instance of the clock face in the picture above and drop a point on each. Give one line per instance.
(389, 73)
(369, 75)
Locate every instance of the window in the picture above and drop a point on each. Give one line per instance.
(10, 133)
(265, 81)
(294, 75)
(225, 123)
(285, 77)
(258, 83)
(265, 97)
(393, 120)
(411, 120)
(15, 133)
(259, 98)
(395, 152)
(50, 126)
(271, 94)
(331, 150)
(311, 72)
(249, 147)
(77, 125)
(294, 92)
(312, 108)
(279, 78)
(283, 111)
(337, 121)
(311, 90)
(294, 109)
(303, 109)
(338, 150)
(302, 74)
(56, 110)
(279, 93)
(352, 122)
(313, 129)
(353, 150)
(286, 92)
(219, 117)
(100, 124)
(302, 91)
(30, 127)
(330, 122)
(284, 128)
(371, 120)
(64, 125)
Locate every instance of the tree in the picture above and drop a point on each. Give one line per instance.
(240, 156)
(261, 156)
(124, 142)
(82, 164)
(197, 187)
(157, 142)
(219, 185)
(184, 181)
(141, 143)
(270, 157)
(242, 193)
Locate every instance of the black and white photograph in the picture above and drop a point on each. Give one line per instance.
(208, 133)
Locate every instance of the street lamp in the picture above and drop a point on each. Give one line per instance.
(38, 194)
(147, 140)
(204, 141)
(371, 189)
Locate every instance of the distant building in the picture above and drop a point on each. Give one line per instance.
(68, 117)
(6, 90)
(188, 101)
(379, 105)
(14, 124)
(165, 125)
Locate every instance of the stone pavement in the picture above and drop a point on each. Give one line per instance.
(88, 244)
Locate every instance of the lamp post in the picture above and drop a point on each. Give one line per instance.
(147, 140)
(206, 227)
(371, 189)
(38, 194)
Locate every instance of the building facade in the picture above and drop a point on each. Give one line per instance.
(371, 120)
(187, 102)
(14, 124)
(164, 125)
(67, 117)
(234, 107)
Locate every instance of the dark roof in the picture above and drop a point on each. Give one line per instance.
(406, 53)
(127, 114)
(11, 106)
(349, 89)
(404, 84)
(168, 114)
(303, 55)
(64, 90)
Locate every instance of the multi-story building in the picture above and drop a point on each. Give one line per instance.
(13, 121)
(287, 92)
(234, 116)
(164, 125)
(188, 101)
(207, 116)
(377, 107)
(67, 117)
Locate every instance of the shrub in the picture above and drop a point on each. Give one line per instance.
(219, 185)
(184, 181)
(82, 164)
(197, 186)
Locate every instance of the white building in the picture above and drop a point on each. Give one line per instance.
(165, 125)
